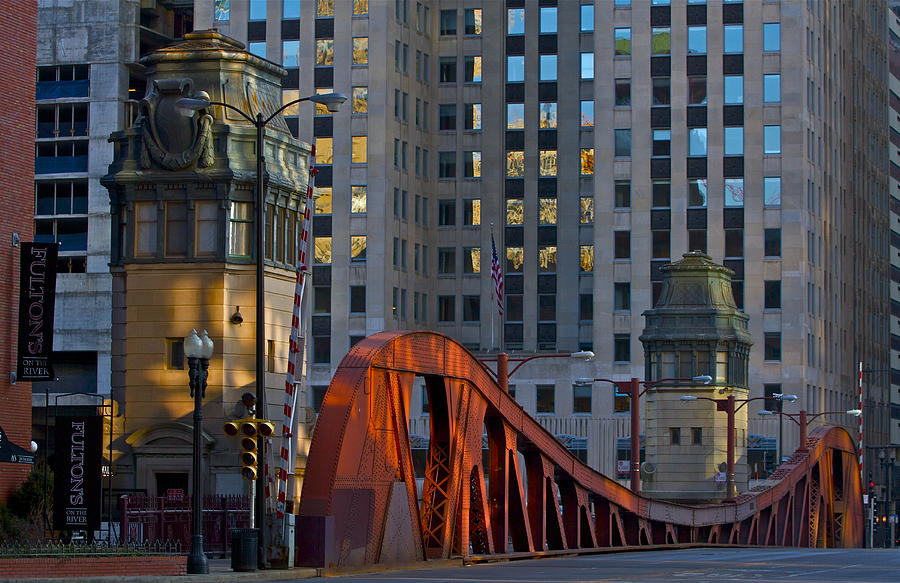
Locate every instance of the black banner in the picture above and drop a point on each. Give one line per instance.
(77, 489)
(37, 293)
(13, 454)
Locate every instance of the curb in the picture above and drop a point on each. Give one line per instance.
(268, 575)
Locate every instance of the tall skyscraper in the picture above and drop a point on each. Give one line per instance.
(601, 140)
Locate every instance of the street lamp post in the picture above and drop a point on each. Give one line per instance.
(503, 359)
(188, 106)
(803, 418)
(198, 350)
(730, 407)
(632, 388)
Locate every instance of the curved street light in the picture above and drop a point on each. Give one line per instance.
(187, 106)
(502, 359)
(803, 418)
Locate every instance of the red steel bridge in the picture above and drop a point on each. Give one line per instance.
(360, 504)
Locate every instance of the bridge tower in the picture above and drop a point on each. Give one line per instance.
(694, 329)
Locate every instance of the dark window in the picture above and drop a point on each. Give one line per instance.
(448, 22)
(697, 240)
(662, 92)
(546, 398)
(581, 398)
(447, 165)
(623, 194)
(622, 347)
(514, 308)
(447, 116)
(585, 307)
(357, 299)
(318, 395)
(773, 242)
(447, 260)
(446, 212)
(662, 142)
(471, 308)
(426, 406)
(175, 353)
(662, 194)
(622, 244)
(661, 246)
(674, 435)
(622, 296)
(448, 70)
(321, 349)
(772, 404)
(547, 307)
(772, 295)
(322, 300)
(697, 435)
(623, 142)
(446, 308)
(697, 91)
(772, 346)
(623, 92)
(734, 242)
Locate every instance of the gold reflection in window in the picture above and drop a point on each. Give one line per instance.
(325, 51)
(476, 211)
(322, 109)
(587, 161)
(325, 8)
(515, 211)
(360, 50)
(358, 199)
(357, 248)
(515, 116)
(323, 200)
(324, 150)
(360, 100)
(475, 113)
(547, 211)
(547, 114)
(476, 165)
(476, 69)
(547, 166)
(547, 258)
(323, 249)
(515, 164)
(359, 149)
(473, 26)
(473, 260)
(515, 257)
(586, 204)
(586, 257)
(287, 96)
(360, 7)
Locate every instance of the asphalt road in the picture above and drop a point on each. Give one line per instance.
(688, 566)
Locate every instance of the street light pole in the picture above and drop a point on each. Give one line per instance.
(198, 350)
(502, 359)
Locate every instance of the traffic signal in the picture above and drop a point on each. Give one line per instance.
(249, 431)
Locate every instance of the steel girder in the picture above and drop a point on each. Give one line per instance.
(360, 504)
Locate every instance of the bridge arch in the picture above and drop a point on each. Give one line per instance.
(360, 503)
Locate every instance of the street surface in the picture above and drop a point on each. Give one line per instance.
(688, 566)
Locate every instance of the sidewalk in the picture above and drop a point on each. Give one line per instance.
(219, 570)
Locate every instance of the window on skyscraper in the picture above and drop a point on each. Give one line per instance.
(546, 398)
(321, 300)
(324, 150)
(586, 210)
(446, 308)
(623, 92)
(446, 164)
(772, 295)
(661, 244)
(515, 164)
(697, 192)
(358, 248)
(324, 8)
(662, 91)
(323, 200)
(257, 10)
(473, 69)
(473, 116)
(515, 116)
(447, 116)
(661, 194)
(772, 242)
(515, 21)
(547, 259)
(772, 191)
(515, 258)
(733, 38)
(734, 141)
(515, 69)
(473, 21)
(771, 37)
(361, 50)
(325, 51)
(622, 192)
(360, 100)
(359, 149)
(515, 211)
(361, 7)
(734, 192)
(471, 260)
(547, 67)
(622, 41)
(772, 346)
(587, 161)
(587, 113)
(548, 20)
(734, 243)
(734, 89)
(471, 308)
(771, 139)
(696, 90)
(662, 143)
(622, 347)
(290, 53)
(587, 17)
(547, 211)
(358, 203)
(622, 244)
(448, 22)
(472, 164)
(586, 258)
(547, 117)
(660, 41)
(547, 162)
(696, 141)
(257, 48)
(696, 40)
(587, 65)
(446, 260)
(622, 142)
(772, 88)
(446, 212)
(322, 250)
(448, 69)
(622, 296)
(472, 212)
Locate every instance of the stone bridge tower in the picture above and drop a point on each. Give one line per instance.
(182, 197)
(694, 329)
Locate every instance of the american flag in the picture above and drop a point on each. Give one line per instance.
(497, 276)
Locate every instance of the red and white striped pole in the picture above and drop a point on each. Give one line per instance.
(859, 382)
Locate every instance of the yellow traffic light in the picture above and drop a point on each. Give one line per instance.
(249, 431)
(265, 428)
(232, 428)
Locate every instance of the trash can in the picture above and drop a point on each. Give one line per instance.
(243, 549)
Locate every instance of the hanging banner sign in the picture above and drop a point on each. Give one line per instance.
(77, 488)
(13, 454)
(37, 294)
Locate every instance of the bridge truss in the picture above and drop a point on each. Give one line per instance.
(360, 505)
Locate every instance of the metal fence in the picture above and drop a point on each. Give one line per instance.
(149, 518)
(50, 549)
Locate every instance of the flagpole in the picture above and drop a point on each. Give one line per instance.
(492, 294)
